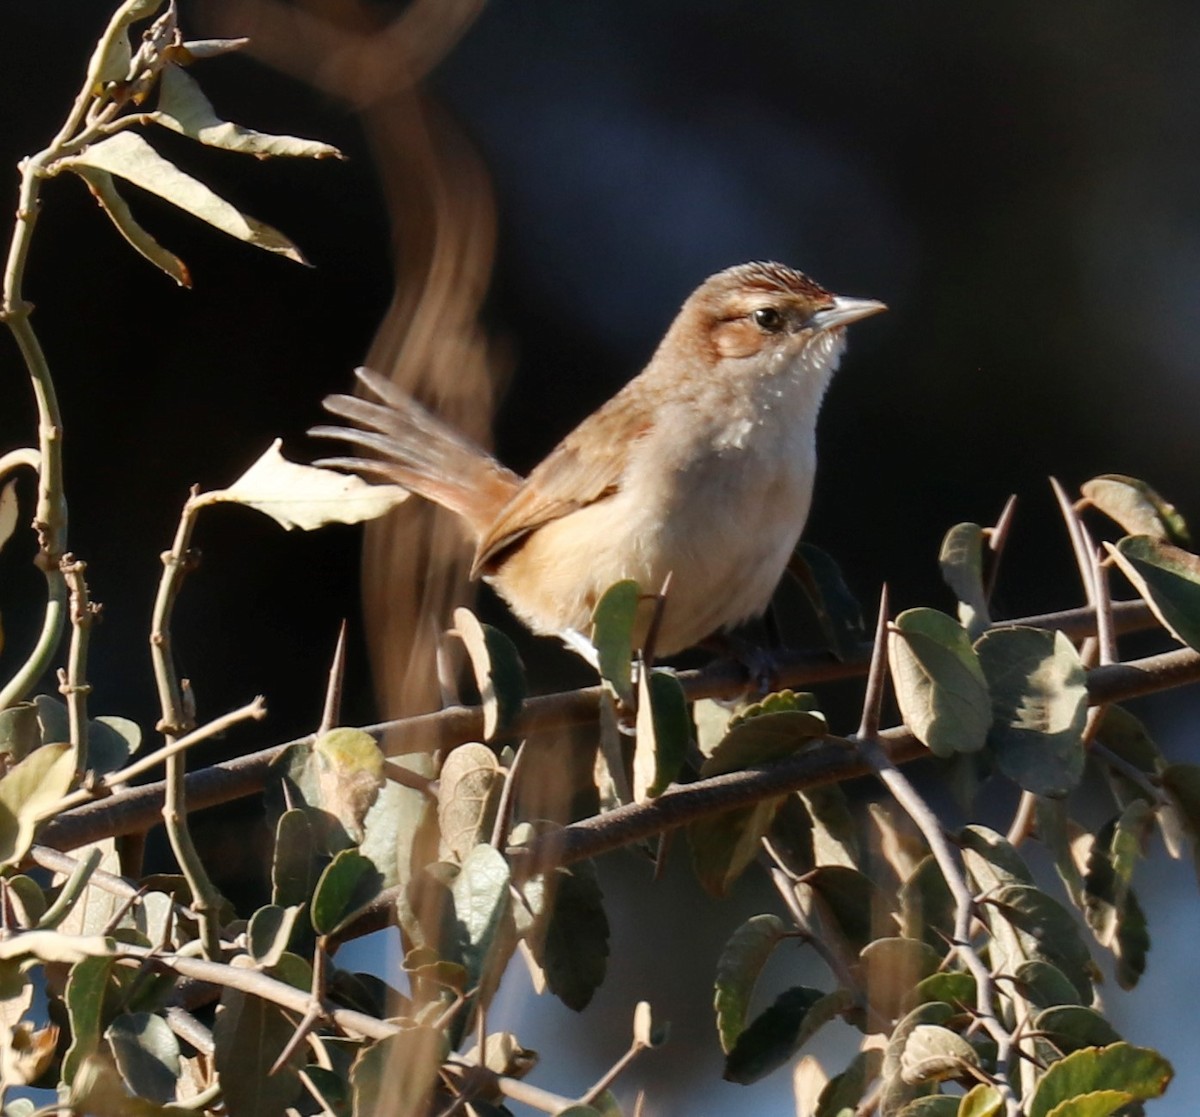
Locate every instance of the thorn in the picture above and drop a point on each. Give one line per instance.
(1081, 542)
(876, 675)
(333, 693)
(997, 539)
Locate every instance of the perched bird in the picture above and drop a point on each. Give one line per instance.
(700, 468)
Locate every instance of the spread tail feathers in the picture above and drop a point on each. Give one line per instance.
(418, 451)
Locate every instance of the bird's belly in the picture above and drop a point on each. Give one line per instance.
(723, 531)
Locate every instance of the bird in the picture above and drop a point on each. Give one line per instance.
(699, 470)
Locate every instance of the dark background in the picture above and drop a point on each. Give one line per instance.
(1018, 184)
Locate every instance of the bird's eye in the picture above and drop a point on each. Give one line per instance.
(768, 319)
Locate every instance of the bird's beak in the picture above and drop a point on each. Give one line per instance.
(844, 311)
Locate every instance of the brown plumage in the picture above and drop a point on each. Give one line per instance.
(701, 467)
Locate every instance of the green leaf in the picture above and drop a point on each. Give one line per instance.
(111, 742)
(762, 739)
(891, 968)
(1047, 929)
(183, 108)
(939, 683)
(54, 720)
(348, 882)
(927, 908)
(1125, 735)
(952, 986)
(1168, 578)
(933, 1053)
(663, 732)
(147, 1055)
(249, 1036)
(613, 622)
(738, 967)
(1039, 706)
(397, 1075)
(305, 496)
(1070, 1027)
(991, 859)
(20, 731)
(573, 949)
(936, 1105)
(294, 871)
(895, 1092)
(961, 561)
(1045, 985)
(270, 931)
(104, 189)
(777, 1033)
(482, 908)
(88, 987)
(1136, 507)
(724, 845)
(29, 789)
(127, 155)
(844, 1091)
(852, 899)
(499, 673)
(834, 832)
(838, 612)
(981, 1101)
(1109, 903)
(468, 792)
(1133, 1073)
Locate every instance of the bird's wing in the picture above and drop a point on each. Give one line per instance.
(583, 468)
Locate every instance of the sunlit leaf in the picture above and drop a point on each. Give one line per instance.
(1136, 507)
(933, 1053)
(961, 562)
(613, 622)
(108, 197)
(10, 511)
(128, 156)
(28, 790)
(939, 684)
(306, 496)
(499, 673)
(663, 732)
(469, 788)
(348, 765)
(397, 1075)
(1133, 1073)
(183, 107)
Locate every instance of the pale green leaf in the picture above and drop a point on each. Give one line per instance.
(305, 496)
(127, 155)
(183, 107)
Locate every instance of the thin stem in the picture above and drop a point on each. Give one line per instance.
(177, 720)
(72, 683)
